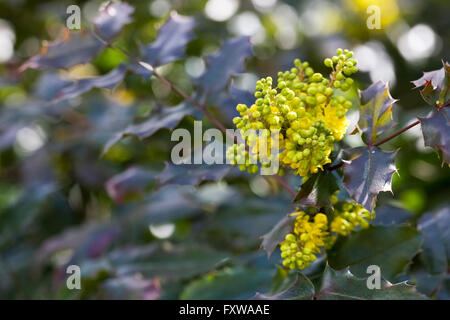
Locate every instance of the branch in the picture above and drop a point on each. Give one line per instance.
(189, 99)
(376, 144)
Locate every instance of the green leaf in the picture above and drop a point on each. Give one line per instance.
(436, 132)
(340, 285)
(435, 253)
(230, 283)
(390, 248)
(232, 218)
(343, 285)
(130, 287)
(271, 240)
(376, 111)
(293, 286)
(181, 262)
(390, 214)
(317, 190)
(369, 172)
(436, 85)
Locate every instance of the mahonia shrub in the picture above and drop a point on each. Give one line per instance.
(332, 208)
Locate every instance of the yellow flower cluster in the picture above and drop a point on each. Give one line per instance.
(315, 231)
(299, 248)
(307, 110)
(348, 216)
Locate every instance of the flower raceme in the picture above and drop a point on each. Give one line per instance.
(307, 110)
(314, 231)
(348, 216)
(298, 248)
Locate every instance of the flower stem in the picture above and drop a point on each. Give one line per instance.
(376, 144)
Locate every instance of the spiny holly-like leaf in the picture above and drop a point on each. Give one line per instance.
(108, 81)
(390, 248)
(436, 245)
(317, 190)
(73, 49)
(112, 18)
(436, 131)
(299, 288)
(232, 283)
(369, 172)
(132, 181)
(436, 86)
(271, 240)
(227, 101)
(376, 111)
(229, 60)
(164, 118)
(171, 41)
(343, 285)
(191, 174)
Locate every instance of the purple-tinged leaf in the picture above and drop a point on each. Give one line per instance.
(228, 61)
(88, 241)
(131, 182)
(181, 262)
(49, 84)
(436, 244)
(112, 18)
(376, 111)
(192, 174)
(391, 248)
(141, 68)
(131, 287)
(73, 49)
(271, 240)
(235, 283)
(369, 172)
(8, 135)
(108, 81)
(166, 118)
(317, 190)
(168, 204)
(436, 132)
(343, 285)
(228, 101)
(301, 288)
(389, 215)
(170, 44)
(436, 86)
